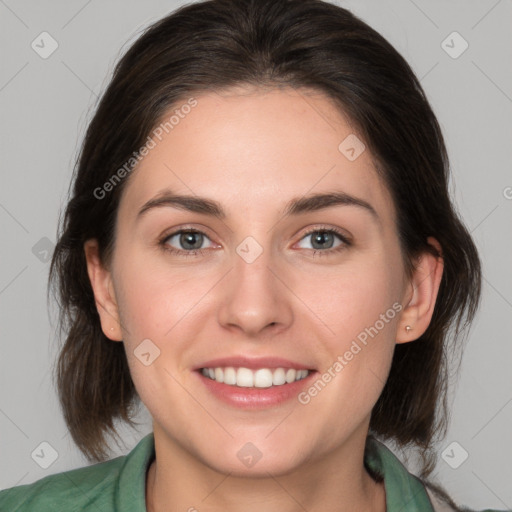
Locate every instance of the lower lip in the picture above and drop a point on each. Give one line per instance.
(255, 398)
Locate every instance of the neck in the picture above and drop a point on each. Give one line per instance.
(336, 481)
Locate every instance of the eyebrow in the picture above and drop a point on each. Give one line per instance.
(296, 206)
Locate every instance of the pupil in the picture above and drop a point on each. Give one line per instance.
(188, 238)
(321, 238)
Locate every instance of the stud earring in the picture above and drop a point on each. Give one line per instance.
(408, 328)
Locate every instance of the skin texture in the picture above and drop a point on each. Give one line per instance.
(253, 150)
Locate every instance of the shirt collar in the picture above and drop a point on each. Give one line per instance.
(404, 491)
(130, 494)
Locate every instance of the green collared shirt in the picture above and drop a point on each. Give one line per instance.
(120, 485)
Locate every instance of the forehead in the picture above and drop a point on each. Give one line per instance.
(249, 148)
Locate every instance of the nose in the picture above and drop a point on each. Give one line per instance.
(255, 298)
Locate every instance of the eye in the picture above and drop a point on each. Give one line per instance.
(187, 242)
(324, 240)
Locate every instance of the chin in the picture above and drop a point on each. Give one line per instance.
(246, 459)
(257, 468)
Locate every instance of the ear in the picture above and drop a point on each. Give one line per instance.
(102, 286)
(421, 295)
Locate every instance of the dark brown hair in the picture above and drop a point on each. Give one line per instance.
(304, 44)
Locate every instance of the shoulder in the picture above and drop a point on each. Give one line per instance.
(404, 491)
(442, 502)
(78, 489)
(117, 484)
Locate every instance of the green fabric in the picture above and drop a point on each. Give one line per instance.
(119, 485)
(404, 491)
(116, 485)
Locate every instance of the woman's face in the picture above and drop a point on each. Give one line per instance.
(267, 278)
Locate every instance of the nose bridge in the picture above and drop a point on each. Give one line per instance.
(254, 298)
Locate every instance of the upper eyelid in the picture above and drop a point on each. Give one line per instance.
(176, 230)
(336, 231)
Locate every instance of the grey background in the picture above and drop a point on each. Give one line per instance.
(46, 104)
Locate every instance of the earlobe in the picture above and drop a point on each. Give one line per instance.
(422, 294)
(101, 283)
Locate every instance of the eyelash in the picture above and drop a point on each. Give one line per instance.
(345, 242)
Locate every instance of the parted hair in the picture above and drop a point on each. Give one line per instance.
(303, 44)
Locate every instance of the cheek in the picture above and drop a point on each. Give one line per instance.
(361, 309)
(152, 300)
(353, 298)
(156, 308)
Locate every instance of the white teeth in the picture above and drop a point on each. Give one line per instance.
(230, 376)
(290, 375)
(219, 375)
(279, 377)
(244, 378)
(261, 378)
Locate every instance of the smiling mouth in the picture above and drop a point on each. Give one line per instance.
(258, 378)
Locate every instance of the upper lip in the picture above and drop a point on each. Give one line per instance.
(253, 363)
